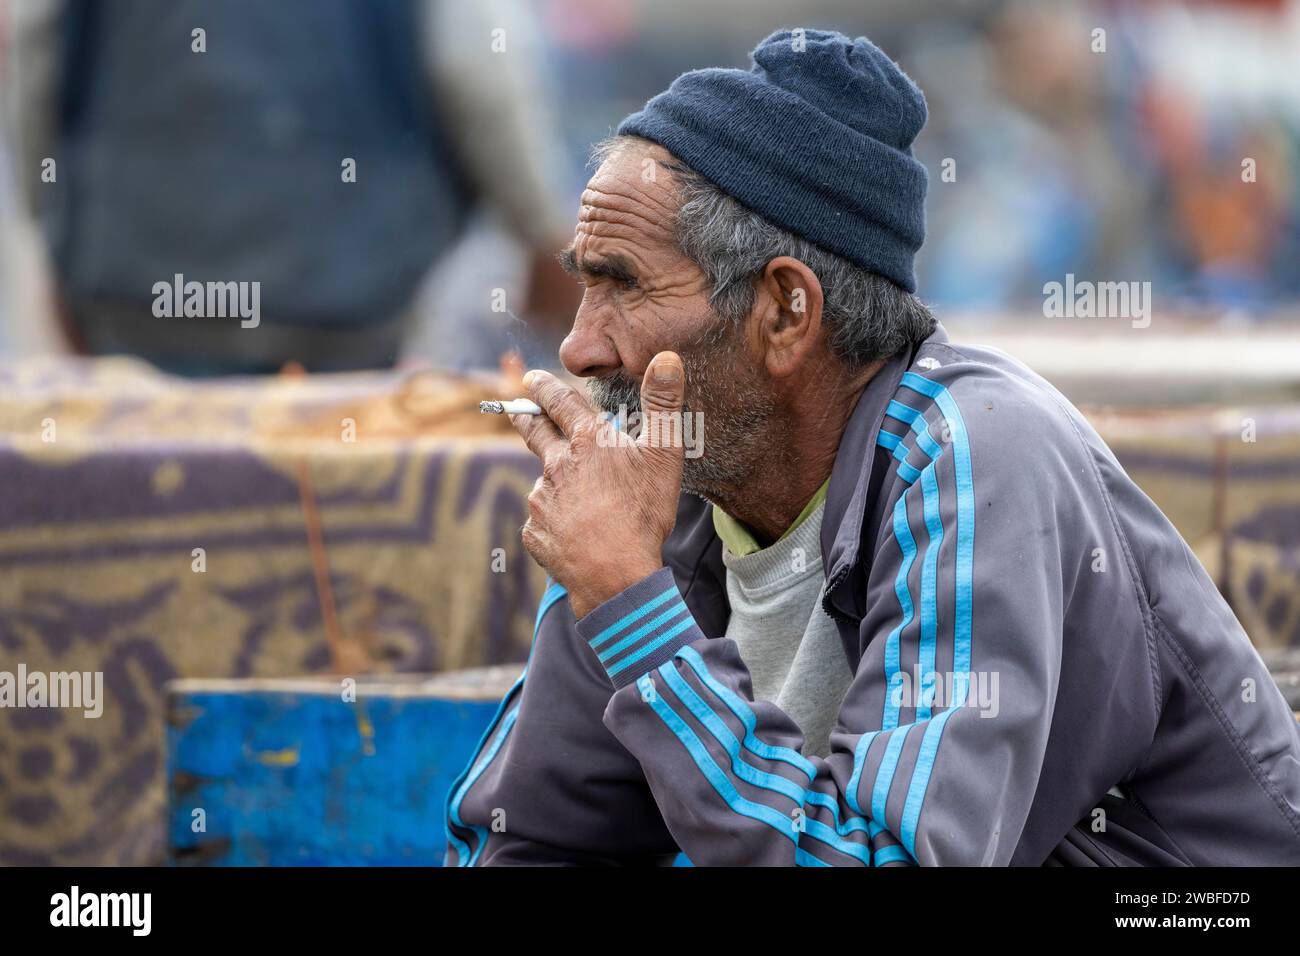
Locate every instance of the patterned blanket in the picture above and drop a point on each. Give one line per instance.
(153, 529)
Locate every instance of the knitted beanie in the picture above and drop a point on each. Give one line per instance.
(816, 137)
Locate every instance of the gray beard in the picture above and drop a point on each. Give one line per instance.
(736, 413)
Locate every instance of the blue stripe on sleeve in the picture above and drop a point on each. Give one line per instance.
(893, 666)
(803, 858)
(894, 853)
(859, 761)
(722, 733)
(746, 717)
(628, 619)
(652, 646)
(915, 420)
(893, 442)
(962, 626)
(469, 780)
(929, 596)
(885, 773)
(722, 784)
(797, 794)
(553, 593)
(887, 439)
(615, 649)
(700, 754)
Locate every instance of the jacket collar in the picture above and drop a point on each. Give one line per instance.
(694, 550)
(849, 493)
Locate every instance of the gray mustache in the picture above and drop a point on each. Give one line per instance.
(617, 391)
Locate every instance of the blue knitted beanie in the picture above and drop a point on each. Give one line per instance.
(816, 138)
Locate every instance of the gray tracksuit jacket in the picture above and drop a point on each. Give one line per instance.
(1043, 673)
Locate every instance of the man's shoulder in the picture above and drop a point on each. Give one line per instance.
(997, 407)
(1010, 435)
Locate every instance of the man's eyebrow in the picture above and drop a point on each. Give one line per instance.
(614, 267)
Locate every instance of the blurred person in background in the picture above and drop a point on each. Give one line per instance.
(330, 151)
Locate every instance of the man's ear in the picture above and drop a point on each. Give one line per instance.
(792, 320)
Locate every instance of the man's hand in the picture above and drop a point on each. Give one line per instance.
(599, 515)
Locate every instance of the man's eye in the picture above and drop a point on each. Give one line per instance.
(628, 284)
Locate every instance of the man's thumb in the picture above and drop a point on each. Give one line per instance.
(662, 389)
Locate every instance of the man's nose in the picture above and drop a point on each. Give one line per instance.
(587, 351)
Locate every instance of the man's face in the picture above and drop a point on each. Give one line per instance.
(642, 296)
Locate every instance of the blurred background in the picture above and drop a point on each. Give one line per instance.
(224, 518)
(1117, 155)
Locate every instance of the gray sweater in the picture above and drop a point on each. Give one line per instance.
(790, 645)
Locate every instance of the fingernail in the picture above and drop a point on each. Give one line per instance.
(528, 378)
(667, 373)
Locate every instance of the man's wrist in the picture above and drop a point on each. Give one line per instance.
(639, 628)
(591, 593)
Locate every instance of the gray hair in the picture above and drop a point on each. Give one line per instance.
(868, 316)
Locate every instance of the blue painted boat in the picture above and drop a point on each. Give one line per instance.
(274, 772)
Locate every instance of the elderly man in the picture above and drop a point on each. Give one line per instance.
(911, 609)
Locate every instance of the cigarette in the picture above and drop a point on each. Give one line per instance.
(515, 406)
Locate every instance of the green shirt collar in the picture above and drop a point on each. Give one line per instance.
(740, 541)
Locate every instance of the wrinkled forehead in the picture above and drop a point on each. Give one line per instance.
(630, 199)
